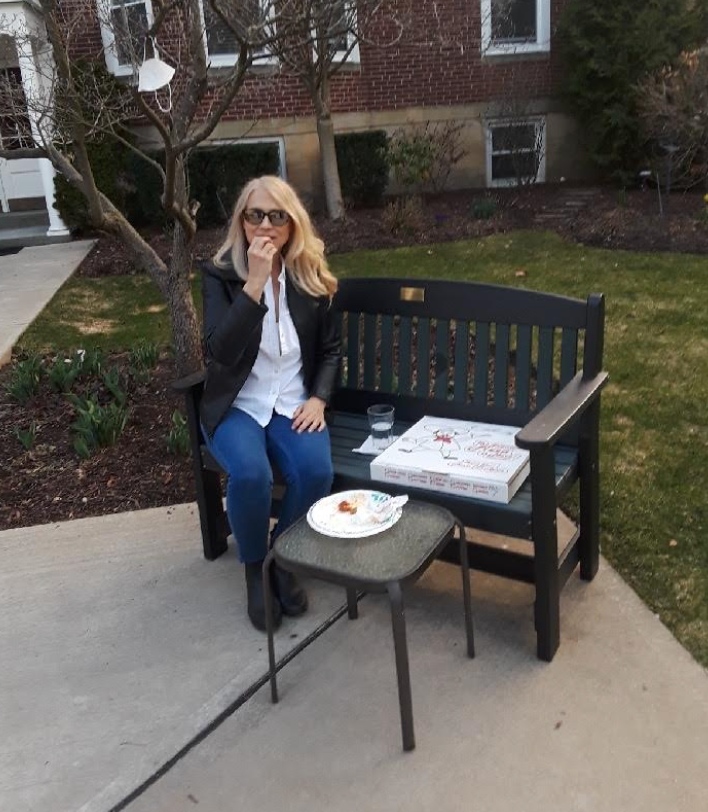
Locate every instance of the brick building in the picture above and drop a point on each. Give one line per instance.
(455, 61)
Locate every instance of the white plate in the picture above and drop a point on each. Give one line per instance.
(326, 518)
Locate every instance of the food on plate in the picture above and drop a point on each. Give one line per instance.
(346, 507)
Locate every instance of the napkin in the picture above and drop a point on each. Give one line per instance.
(367, 447)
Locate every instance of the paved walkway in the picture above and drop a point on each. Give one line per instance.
(120, 646)
(118, 643)
(28, 280)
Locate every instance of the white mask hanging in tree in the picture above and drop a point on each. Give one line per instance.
(154, 74)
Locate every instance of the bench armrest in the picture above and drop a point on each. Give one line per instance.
(186, 383)
(560, 414)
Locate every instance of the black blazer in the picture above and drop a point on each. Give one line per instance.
(233, 324)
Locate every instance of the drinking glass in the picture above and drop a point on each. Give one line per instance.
(381, 425)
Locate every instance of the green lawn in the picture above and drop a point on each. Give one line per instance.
(654, 421)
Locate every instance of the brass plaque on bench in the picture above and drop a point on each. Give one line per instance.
(412, 294)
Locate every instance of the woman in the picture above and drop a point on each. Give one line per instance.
(272, 352)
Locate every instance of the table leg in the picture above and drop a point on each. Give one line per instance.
(400, 644)
(465, 562)
(352, 607)
(269, 625)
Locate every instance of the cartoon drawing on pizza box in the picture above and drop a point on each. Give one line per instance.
(446, 441)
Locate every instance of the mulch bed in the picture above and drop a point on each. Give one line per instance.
(613, 219)
(632, 222)
(51, 482)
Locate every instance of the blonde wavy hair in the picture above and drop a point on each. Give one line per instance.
(303, 253)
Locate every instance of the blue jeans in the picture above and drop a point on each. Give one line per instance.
(244, 449)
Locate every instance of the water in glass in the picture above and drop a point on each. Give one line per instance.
(381, 425)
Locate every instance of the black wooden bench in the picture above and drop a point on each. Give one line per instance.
(474, 352)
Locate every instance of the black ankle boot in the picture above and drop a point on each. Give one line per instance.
(291, 595)
(256, 598)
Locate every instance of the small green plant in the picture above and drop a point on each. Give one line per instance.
(178, 438)
(143, 358)
(64, 372)
(96, 426)
(403, 215)
(113, 382)
(144, 355)
(25, 378)
(92, 362)
(483, 209)
(422, 157)
(28, 436)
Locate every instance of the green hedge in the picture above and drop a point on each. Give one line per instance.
(142, 205)
(363, 166)
(216, 175)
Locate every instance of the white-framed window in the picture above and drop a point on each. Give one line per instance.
(121, 22)
(219, 40)
(516, 151)
(515, 26)
(122, 19)
(343, 40)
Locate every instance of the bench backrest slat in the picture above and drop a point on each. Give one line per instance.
(352, 350)
(442, 358)
(423, 358)
(501, 366)
(522, 379)
(405, 330)
(462, 352)
(387, 354)
(369, 351)
(544, 383)
(481, 364)
(569, 355)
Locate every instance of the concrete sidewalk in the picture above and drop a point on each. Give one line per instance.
(28, 280)
(119, 645)
(617, 723)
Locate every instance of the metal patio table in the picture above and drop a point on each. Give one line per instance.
(385, 562)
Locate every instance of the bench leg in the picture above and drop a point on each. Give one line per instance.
(545, 539)
(269, 626)
(589, 463)
(211, 513)
(352, 606)
(400, 644)
(466, 591)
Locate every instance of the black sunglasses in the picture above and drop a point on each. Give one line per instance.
(277, 217)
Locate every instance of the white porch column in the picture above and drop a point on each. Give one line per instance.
(37, 95)
(57, 227)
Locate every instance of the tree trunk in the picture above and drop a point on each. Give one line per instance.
(328, 156)
(185, 324)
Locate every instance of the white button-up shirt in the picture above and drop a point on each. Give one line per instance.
(275, 382)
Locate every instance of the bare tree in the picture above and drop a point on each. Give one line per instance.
(321, 37)
(67, 106)
(673, 110)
